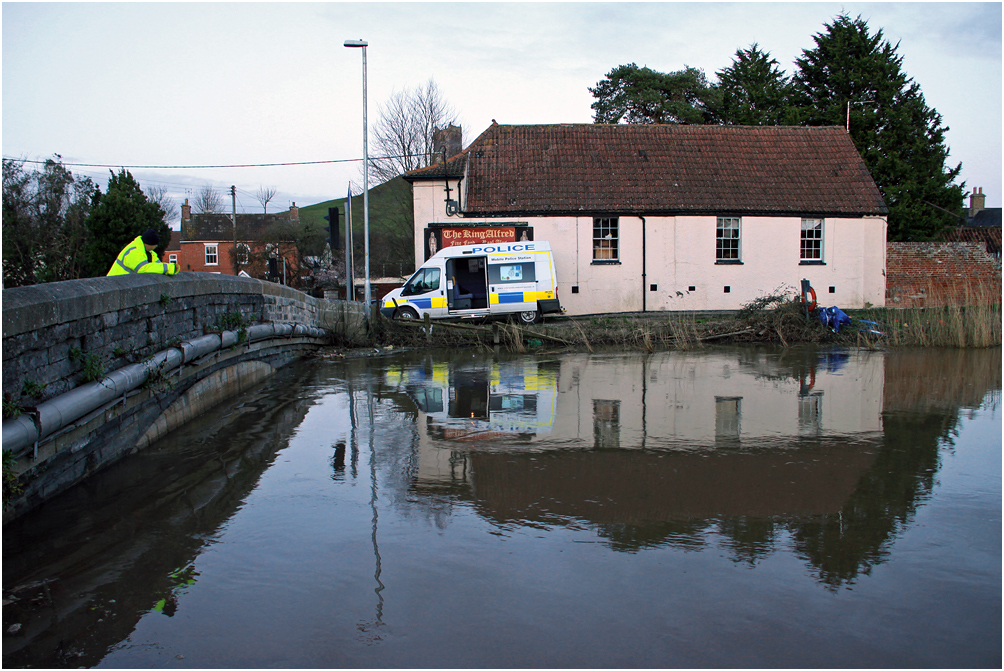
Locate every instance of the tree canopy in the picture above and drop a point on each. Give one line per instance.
(852, 76)
(641, 95)
(755, 91)
(116, 218)
(43, 222)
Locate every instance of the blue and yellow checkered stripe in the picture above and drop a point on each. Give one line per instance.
(423, 303)
(519, 297)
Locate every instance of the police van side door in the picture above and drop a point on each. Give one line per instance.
(512, 283)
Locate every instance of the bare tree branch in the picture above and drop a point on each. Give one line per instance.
(265, 194)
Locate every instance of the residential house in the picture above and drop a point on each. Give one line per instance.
(982, 225)
(667, 217)
(264, 243)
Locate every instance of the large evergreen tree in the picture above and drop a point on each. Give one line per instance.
(640, 95)
(118, 216)
(900, 138)
(755, 91)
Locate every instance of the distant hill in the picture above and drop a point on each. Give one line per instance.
(392, 226)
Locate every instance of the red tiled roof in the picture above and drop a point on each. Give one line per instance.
(672, 169)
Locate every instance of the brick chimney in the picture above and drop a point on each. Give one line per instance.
(294, 212)
(186, 212)
(977, 201)
(446, 142)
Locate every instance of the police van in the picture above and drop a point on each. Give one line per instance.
(514, 279)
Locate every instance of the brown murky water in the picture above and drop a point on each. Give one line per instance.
(720, 508)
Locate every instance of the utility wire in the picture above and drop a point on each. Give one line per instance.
(202, 167)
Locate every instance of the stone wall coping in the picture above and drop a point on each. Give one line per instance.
(27, 309)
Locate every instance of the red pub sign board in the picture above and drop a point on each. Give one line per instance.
(437, 238)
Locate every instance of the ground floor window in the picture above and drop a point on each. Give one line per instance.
(605, 238)
(243, 254)
(812, 239)
(727, 239)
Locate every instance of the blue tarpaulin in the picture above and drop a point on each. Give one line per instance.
(834, 317)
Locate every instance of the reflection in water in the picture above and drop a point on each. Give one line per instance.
(763, 450)
(822, 456)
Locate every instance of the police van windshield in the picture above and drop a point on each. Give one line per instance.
(424, 281)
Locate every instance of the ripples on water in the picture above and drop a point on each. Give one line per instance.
(731, 507)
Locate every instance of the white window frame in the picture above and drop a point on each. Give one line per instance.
(212, 251)
(172, 258)
(818, 226)
(606, 240)
(727, 251)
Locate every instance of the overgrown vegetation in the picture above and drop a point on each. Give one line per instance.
(779, 318)
(970, 320)
(234, 321)
(11, 486)
(93, 368)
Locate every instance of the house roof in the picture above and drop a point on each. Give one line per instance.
(989, 235)
(990, 216)
(220, 227)
(650, 169)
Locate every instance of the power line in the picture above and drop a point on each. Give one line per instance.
(188, 167)
(201, 167)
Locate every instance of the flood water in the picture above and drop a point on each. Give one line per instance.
(732, 507)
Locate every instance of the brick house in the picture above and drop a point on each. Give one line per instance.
(667, 217)
(207, 244)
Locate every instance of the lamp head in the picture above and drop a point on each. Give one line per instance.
(356, 43)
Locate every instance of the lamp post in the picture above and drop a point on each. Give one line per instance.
(355, 44)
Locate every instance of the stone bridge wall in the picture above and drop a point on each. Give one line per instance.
(62, 336)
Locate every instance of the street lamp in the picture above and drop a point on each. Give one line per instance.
(355, 44)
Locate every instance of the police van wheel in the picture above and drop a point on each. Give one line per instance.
(528, 317)
(405, 313)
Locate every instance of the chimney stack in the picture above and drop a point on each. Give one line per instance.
(186, 212)
(294, 212)
(446, 142)
(977, 201)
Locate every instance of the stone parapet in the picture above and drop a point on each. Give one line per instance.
(57, 335)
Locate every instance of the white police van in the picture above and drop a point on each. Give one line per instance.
(476, 281)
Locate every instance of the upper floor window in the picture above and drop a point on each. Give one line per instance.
(811, 247)
(212, 255)
(727, 239)
(172, 258)
(605, 239)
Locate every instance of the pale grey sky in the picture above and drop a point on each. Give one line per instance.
(195, 84)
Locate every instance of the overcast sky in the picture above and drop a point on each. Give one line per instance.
(192, 84)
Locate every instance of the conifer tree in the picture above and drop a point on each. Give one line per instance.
(116, 218)
(755, 91)
(852, 71)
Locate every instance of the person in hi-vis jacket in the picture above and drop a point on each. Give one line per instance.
(138, 257)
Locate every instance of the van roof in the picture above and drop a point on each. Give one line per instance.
(494, 248)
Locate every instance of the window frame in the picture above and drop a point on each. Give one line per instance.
(731, 253)
(610, 226)
(214, 250)
(819, 259)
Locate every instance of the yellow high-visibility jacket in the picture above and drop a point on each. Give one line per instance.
(135, 259)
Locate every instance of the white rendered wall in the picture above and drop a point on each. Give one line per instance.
(680, 253)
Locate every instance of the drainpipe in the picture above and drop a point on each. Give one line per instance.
(644, 268)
